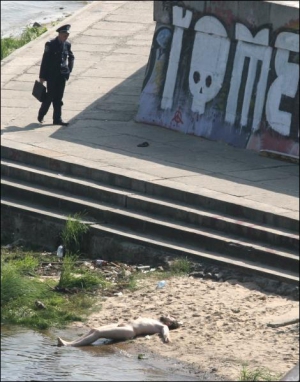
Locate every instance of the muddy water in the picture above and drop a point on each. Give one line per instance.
(28, 355)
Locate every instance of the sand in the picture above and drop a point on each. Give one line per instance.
(225, 324)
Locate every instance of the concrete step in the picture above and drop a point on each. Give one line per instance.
(54, 220)
(189, 199)
(43, 190)
(152, 206)
(142, 223)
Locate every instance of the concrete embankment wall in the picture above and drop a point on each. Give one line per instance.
(226, 70)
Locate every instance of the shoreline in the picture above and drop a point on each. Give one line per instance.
(47, 19)
(220, 335)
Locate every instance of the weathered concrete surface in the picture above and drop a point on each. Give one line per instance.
(292, 375)
(226, 71)
(101, 100)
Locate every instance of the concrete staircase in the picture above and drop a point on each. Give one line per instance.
(37, 191)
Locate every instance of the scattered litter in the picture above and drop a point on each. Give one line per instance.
(144, 144)
(99, 263)
(60, 251)
(119, 294)
(143, 268)
(161, 284)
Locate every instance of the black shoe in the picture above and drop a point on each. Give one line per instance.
(62, 123)
(40, 119)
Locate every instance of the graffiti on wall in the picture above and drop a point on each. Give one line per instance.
(243, 89)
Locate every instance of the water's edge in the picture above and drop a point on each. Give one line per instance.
(17, 15)
(30, 355)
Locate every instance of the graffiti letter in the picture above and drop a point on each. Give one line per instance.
(257, 49)
(286, 82)
(209, 60)
(180, 22)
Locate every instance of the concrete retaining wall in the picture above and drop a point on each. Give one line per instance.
(226, 70)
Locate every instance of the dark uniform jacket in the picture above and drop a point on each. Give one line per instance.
(58, 60)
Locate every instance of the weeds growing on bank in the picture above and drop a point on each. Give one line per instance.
(257, 374)
(73, 233)
(180, 266)
(22, 286)
(10, 44)
(72, 276)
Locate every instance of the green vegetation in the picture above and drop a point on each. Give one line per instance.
(30, 299)
(73, 276)
(21, 287)
(70, 296)
(10, 44)
(180, 266)
(258, 374)
(73, 233)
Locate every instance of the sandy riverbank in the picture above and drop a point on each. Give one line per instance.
(225, 324)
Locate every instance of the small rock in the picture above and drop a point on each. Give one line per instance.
(197, 274)
(235, 310)
(262, 297)
(219, 276)
(39, 305)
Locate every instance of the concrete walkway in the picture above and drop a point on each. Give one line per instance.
(111, 41)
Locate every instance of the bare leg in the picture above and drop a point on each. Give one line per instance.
(113, 332)
(87, 339)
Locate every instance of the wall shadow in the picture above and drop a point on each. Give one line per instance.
(108, 124)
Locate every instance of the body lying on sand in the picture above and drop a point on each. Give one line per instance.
(126, 331)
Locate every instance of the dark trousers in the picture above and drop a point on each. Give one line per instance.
(55, 93)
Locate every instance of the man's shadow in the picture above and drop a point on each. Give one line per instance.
(31, 126)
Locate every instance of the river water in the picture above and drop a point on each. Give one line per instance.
(16, 15)
(28, 355)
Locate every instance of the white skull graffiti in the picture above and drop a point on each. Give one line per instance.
(208, 63)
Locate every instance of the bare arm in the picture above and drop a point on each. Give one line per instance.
(165, 333)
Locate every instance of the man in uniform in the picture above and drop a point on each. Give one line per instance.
(57, 64)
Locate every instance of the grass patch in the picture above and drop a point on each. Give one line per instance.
(21, 288)
(180, 266)
(27, 265)
(73, 277)
(73, 234)
(257, 374)
(10, 44)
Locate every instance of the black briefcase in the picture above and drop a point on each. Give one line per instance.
(39, 91)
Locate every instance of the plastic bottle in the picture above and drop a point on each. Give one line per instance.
(161, 284)
(60, 251)
(100, 263)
